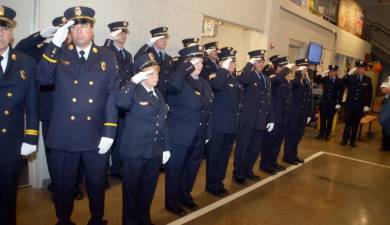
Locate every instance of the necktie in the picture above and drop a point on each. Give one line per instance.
(123, 54)
(152, 94)
(161, 56)
(261, 76)
(82, 59)
(1, 68)
(360, 78)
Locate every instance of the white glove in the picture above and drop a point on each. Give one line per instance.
(290, 65)
(105, 145)
(366, 109)
(308, 120)
(165, 157)
(62, 33)
(27, 149)
(141, 76)
(352, 71)
(270, 127)
(337, 106)
(226, 63)
(194, 61)
(114, 35)
(48, 32)
(253, 61)
(325, 73)
(301, 68)
(154, 39)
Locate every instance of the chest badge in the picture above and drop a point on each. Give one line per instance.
(144, 103)
(22, 74)
(103, 66)
(14, 57)
(198, 93)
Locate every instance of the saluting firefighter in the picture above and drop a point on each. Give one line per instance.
(145, 139)
(157, 45)
(210, 63)
(255, 117)
(301, 112)
(358, 102)
(190, 101)
(281, 105)
(331, 99)
(187, 42)
(84, 118)
(18, 114)
(228, 93)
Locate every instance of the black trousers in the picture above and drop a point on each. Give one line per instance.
(180, 173)
(271, 147)
(294, 134)
(65, 178)
(116, 167)
(385, 140)
(249, 141)
(45, 129)
(139, 184)
(352, 122)
(217, 158)
(327, 113)
(9, 174)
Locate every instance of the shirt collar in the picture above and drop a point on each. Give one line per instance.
(119, 49)
(158, 51)
(86, 50)
(4, 62)
(148, 89)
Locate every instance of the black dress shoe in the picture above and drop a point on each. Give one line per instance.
(299, 160)
(191, 206)
(253, 177)
(240, 181)
(353, 144)
(177, 212)
(269, 170)
(290, 161)
(327, 138)
(320, 136)
(218, 193)
(343, 142)
(279, 167)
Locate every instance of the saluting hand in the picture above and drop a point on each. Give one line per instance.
(352, 71)
(62, 33)
(48, 32)
(114, 35)
(141, 76)
(154, 39)
(325, 73)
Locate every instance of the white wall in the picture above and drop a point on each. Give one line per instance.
(349, 45)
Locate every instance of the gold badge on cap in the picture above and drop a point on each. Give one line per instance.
(1, 10)
(64, 20)
(22, 74)
(212, 76)
(70, 47)
(103, 65)
(77, 11)
(165, 29)
(14, 57)
(125, 24)
(95, 50)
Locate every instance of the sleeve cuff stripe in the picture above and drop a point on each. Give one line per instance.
(32, 132)
(47, 58)
(111, 124)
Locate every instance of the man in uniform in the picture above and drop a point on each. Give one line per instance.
(84, 118)
(211, 60)
(359, 100)
(18, 114)
(116, 42)
(255, 117)
(190, 102)
(331, 99)
(157, 45)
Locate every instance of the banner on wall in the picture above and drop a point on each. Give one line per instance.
(351, 17)
(327, 9)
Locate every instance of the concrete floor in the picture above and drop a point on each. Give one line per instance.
(327, 190)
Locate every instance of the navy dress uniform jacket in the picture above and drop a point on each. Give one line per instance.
(190, 106)
(19, 106)
(84, 108)
(281, 96)
(228, 95)
(145, 133)
(257, 110)
(332, 91)
(166, 67)
(359, 92)
(302, 99)
(209, 67)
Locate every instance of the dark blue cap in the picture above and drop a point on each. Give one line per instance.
(120, 25)
(59, 21)
(143, 62)
(273, 58)
(227, 52)
(7, 16)
(159, 31)
(192, 51)
(333, 67)
(302, 62)
(360, 63)
(281, 61)
(80, 14)
(190, 42)
(257, 54)
(211, 45)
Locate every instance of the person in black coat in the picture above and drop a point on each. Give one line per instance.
(301, 112)
(116, 42)
(255, 117)
(190, 99)
(144, 140)
(19, 115)
(385, 88)
(358, 102)
(282, 105)
(210, 63)
(228, 93)
(156, 45)
(331, 99)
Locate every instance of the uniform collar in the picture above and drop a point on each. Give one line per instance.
(148, 89)
(117, 48)
(4, 62)
(86, 50)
